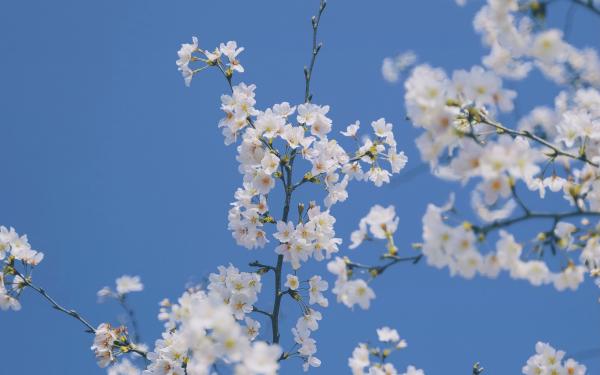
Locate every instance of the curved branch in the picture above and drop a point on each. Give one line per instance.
(378, 270)
(531, 216)
(587, 4)
(70, 312)
(55, 305)
(556, 151)
(259, 311)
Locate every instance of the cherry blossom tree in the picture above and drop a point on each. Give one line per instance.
(231, 323)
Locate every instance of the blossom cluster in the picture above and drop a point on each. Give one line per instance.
(552, 149)
(381, 223)
(371, 360)
(270, 141)
(123, 367)
(306, 324)
(17, 247)
(124, 285)
(549, 361)
(238, 290)
(455, 247)
(211, 327)
(305, 345)
(202, 330)
(271, 145)
(349, 291)
(310, 239)
(191, 52)
(14, 249)
(444, 107)
(109, 342)
(392, 67)
(262, 164)
(517, 45)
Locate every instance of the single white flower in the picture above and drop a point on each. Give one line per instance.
(292, 282)
(127, 284)
(351, 130)
(316, 286)
(387, 334)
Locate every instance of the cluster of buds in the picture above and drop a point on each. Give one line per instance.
(109, 343)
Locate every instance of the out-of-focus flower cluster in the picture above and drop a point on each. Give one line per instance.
(517, 44)
(548, 361)
(349, 291)
(380, 223)
(554, 150)
(445, 107)
(124, 367)
(124, 285)
(455, 247)
(392, 67)
(372, 360)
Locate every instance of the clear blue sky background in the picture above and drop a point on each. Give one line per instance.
(112, 166)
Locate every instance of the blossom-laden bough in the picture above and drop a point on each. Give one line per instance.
(372, 359)
(548, 360)
(210, 327)
(273, 144)
(552, 150)
(217, 327)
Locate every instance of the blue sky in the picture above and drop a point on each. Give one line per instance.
(112, 166)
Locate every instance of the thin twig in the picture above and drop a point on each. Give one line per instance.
(70, 312)
(55, 305)
(315, 51)
(588, 4)
(257, 310)
(555, 149)
(531, 216)
(378, 270)
(513, 191)
(260, 265)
